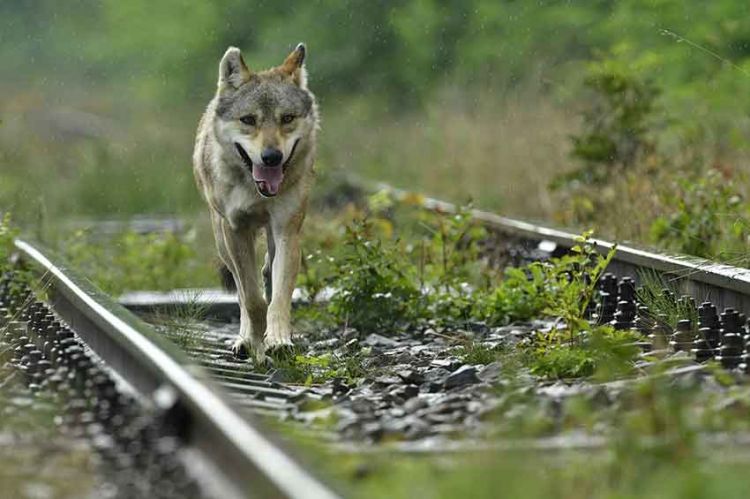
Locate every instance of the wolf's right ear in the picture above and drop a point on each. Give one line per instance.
(232, 69)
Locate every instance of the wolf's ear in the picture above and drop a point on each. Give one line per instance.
(294, 66)
(232, 69)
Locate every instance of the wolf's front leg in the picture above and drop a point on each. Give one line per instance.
(285, 266)
(240, 248)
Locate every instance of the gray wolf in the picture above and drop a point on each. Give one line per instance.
(253, 164)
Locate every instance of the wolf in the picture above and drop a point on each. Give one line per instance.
(253, 164)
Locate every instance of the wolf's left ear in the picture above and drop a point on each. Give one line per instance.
(233, 71)
(294, 66)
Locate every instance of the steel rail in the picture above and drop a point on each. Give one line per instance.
(251, 463)
(724, 285)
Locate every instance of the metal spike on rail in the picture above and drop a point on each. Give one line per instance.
(731, 346)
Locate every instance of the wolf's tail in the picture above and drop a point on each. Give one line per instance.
(227, 279)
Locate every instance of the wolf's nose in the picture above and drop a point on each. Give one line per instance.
(271, 156)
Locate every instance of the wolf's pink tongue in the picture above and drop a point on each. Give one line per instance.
(271, 176)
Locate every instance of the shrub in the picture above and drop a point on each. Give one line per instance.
(561, 287)
(518, 297)
(375, 285)
(617, 125)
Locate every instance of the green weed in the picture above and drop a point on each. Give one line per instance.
(376, 289)
(602, 351)
(518, 297)
(297, 368)
(563, 361)
(454, 250)
(181, 322)
(561, 287)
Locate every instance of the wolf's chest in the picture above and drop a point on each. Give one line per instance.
(242, 206)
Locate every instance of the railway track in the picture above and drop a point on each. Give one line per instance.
(206, 402)
(84, 334)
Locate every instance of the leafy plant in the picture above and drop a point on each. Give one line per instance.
(570, 282)
(602, 351)
(519, 296)
(376, 287)
(561, 287)
(563, 361)
(455, 249)
(309, 369)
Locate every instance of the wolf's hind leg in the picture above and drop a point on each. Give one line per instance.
(268, 265)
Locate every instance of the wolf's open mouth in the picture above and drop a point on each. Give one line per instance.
(267, 178)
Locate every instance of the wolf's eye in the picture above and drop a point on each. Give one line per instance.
(248, 120)
(287, 118)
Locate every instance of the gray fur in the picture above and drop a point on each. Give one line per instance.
(267, 99)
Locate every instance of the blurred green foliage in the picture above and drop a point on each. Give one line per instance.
(394, 48)
(472, 98)
(7, 236)
(616, 125)
(130, 261)
(704, 216)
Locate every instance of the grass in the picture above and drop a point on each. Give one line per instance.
(181, 323)
(536, 475)
(299, 369)
(477, 353)
(661, 296)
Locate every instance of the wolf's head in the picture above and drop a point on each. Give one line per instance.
(266, 118)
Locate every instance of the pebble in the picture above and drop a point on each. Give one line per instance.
(465, 375)
(490, 372)
(375, 339)
(411, 376)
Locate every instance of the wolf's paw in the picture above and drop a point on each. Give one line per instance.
(275, 341)
(240, 348)
(278, 334)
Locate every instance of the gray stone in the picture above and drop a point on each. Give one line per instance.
(378, 340)
(411, 376)
(490, 372)
(465, 375)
